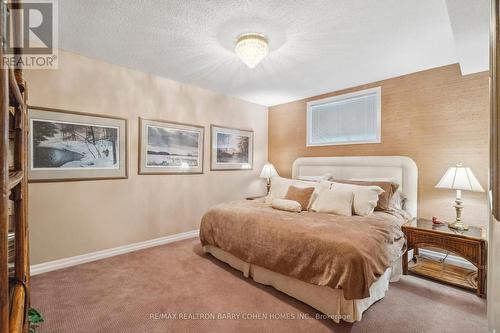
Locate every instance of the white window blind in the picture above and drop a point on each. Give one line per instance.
(345, 119)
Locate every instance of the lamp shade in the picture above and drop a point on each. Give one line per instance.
(460, 178)
(268, 171)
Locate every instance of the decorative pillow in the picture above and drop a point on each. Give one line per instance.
(384, 198)
(397, 201)
(334, 201)
(365, 197)
(280, 185)
(287, 205)
(301, 195)
(324, 184)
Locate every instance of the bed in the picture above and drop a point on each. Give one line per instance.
(338, 265)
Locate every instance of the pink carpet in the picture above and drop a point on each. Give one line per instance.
(178, 288)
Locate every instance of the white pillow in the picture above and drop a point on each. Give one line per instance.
(334, 201)
(280, 185)
(287, 205)
(390, 180)
(325, 184)
(365, 197)
(317, 179)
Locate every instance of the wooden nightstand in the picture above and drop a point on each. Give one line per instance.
(470, 245)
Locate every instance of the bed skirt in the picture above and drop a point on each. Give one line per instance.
(329, 301)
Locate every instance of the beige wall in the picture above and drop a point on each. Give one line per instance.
(437, 117)
(73, 218)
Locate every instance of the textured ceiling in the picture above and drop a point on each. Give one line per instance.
(470, 23)
(317, 46)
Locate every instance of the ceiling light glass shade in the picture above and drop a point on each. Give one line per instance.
(251, 48)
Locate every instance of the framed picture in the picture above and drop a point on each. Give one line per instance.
(170, 148)
(70, 146)
(231, 148)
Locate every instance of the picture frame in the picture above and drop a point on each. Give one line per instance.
(231, 148)
(168, 148)
(75, 146)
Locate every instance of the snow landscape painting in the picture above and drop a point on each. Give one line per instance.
(171, 147)
(65, 145)
(68, 146)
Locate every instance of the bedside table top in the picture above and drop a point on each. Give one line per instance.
(473, 232)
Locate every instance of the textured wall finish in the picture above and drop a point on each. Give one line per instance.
(73, 218)
(437, 117)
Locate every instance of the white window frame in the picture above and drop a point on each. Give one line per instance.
(378, 139)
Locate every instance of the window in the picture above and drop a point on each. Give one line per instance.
(345, 119)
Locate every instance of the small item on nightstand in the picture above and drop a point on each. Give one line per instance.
(436, 222)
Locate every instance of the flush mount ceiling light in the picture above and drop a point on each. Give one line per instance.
(251, 48)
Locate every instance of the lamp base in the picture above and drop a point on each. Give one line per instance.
(458, 226)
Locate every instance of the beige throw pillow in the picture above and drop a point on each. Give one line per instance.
(365, 197)
(301, 195)
(334, 201)
(280, 185)
(287, 205)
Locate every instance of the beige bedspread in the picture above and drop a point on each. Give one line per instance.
(340, 252)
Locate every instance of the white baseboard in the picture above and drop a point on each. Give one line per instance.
(93, 256)
(454, 260)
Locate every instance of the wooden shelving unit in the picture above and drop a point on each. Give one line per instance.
(14, 258)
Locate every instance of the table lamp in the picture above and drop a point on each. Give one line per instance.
(268, 171)
(459, 178)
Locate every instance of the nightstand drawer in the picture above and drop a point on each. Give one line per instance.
(467, 248)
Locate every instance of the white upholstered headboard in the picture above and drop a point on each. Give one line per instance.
(400, 169)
